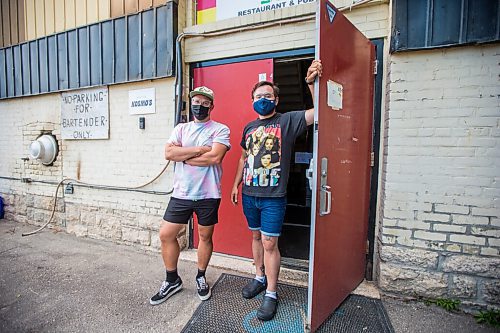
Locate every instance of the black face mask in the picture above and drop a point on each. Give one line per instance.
(200, 112)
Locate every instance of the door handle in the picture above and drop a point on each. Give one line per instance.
(326, 195)
(309, 173)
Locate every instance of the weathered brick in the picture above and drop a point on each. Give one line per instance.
(77, 229)
(490, 251)
(467, 219)
(408, 281)
(463, 286)
(411, 242)
(388, 239)
(485, 231)
(465, 239)
(408, 256)
(451, 209)
(136, 236)
(494, 242)
(434, 217)
(397, 232)
(478, 211)
(397, 214)
(471, 249)
(472, 265)
(432, 236)
(449, 228)
(453, 247)
(491, 291)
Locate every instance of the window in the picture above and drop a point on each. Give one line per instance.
(420, 24)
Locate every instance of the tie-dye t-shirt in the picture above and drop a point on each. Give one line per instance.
(194, 182)
(268, 144)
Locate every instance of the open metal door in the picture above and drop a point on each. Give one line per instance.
(232, 85)
(341, 171)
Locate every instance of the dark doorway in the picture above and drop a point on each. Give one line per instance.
(289, 74)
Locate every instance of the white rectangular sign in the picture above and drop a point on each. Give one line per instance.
(335, 95)
(141, 101)
(234, 8)
(85, 114)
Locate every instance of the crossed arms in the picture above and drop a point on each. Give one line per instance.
(196, 156)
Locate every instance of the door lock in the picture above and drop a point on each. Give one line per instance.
(325, 195)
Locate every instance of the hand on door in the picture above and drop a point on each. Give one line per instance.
(316, 69)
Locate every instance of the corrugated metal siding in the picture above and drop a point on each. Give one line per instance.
(48, 16)
(11, 22)
(435, 23)
(130, 48)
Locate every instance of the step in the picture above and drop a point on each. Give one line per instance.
(287, 275)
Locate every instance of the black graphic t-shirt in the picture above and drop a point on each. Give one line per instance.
(268, 144)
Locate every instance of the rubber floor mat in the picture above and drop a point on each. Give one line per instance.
(227, 311)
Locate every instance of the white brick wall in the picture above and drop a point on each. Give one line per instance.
(130, 157)
(442, 160)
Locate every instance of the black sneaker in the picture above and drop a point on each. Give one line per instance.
(167, 289)
(253, 288)
(267, 309)
(203, 288)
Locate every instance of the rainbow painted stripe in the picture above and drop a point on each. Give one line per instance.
(206, 11)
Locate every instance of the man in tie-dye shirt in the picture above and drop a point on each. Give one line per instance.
(197, 148)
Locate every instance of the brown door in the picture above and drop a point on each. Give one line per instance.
(341, 176)
(232, 85)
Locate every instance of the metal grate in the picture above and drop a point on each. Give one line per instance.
(228, 311)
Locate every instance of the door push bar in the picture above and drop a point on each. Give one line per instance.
(325, 195)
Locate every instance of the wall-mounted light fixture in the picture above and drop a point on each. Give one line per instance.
(44, 149)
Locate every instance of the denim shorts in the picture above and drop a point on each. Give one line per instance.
(264, 214)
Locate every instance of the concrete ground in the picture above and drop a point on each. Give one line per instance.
(55, 282)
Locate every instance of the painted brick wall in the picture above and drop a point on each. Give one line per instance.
(129, 158)
(440, 226)
(371, 20)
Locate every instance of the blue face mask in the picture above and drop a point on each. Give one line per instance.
(264, 106)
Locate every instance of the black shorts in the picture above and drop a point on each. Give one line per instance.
(180, 210)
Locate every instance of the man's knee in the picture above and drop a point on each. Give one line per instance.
(270, 243)
(205, 234)
(168, 232)
(256, 235)
(205, 238)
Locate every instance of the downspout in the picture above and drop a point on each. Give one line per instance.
(178, 79)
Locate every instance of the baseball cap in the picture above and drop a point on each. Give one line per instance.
(202, 91)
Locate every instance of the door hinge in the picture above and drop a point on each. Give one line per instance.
(367, 247)
(372, 159)
(375, 66)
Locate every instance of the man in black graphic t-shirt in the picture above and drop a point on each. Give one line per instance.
(263, 169)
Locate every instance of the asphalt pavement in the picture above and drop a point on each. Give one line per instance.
(56, 282)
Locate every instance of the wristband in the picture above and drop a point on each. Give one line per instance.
(309, 83)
